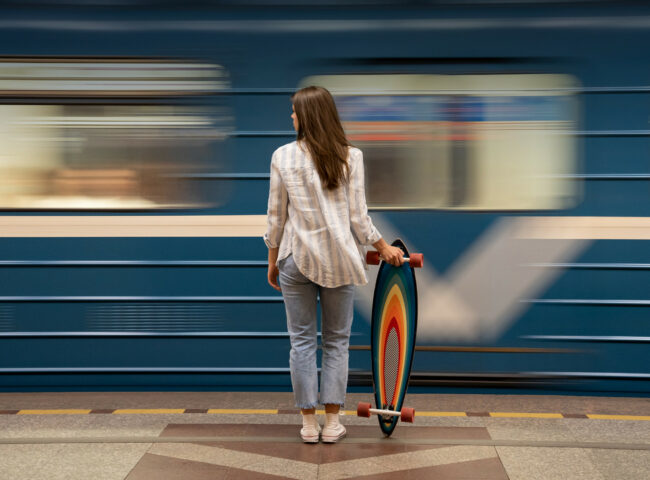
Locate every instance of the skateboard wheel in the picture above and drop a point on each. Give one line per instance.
(372, 257)
(416, 260)
(363, 410)
(407, 414)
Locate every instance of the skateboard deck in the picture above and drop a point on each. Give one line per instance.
(393, 332)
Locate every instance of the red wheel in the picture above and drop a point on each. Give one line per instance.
(363, 410)
(372, 257)
(416, 260)
(407, 414)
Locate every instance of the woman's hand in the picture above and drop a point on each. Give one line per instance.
(392, 255)
(273, 273)
(388, 253)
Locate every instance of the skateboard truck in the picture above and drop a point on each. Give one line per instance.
(406, 414)
(416, 260)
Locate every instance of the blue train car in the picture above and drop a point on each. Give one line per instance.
(509, 144)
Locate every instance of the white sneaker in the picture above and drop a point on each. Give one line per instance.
(333, 430)
(310, 429)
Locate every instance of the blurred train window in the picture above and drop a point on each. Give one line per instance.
(107, 134)
(472, 142)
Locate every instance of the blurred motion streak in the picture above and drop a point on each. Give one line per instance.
(107, 152)
(473, 142)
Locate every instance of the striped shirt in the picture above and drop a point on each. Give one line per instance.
(323, 229)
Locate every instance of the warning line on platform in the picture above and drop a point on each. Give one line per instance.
(271, 411)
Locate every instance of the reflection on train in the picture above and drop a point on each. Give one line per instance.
(508, 144)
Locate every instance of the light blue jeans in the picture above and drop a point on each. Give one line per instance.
(337, 310)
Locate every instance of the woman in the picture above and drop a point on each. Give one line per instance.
(317, 221)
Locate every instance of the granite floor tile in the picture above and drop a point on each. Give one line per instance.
(157, 467)
(488, 469)
(447, 433)
(609, 430)
(535, 429)
(532, 463)
(252, 462)
(403, 462)
(300, 452)
(74, 426)
(342, 452)
(210, 430)
(622, 464)
(69, 461)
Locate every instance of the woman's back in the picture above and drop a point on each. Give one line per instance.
(321, 224)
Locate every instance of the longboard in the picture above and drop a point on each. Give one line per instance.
(393, 332)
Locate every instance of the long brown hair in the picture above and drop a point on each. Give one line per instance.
(320, 129)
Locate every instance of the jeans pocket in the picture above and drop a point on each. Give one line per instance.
(284, 264)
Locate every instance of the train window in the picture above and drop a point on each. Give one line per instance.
(472, 142)
(107, 134)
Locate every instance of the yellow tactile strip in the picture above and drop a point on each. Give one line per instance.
(63, 411)
(252, 411)
(525, 415)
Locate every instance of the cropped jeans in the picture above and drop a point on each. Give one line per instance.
(337, 310)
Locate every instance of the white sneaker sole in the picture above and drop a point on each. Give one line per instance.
(310, 439)
(333, 439)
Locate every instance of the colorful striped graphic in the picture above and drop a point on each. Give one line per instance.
(394, 323)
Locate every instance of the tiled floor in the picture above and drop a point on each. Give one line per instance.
(162, 445)
(251, 457)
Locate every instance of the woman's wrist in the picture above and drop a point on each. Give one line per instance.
(273, 256)
(380, 245)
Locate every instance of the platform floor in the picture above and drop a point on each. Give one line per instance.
(215, 435)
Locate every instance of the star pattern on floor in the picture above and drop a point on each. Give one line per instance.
(246, 458)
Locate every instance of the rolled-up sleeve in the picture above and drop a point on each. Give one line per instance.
(360, 222)
(276, 214)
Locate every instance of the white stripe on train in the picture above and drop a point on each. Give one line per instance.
(476, 300)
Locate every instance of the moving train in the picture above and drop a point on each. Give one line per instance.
(507, 143)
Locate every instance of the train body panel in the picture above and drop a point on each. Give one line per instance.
(511, 298)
